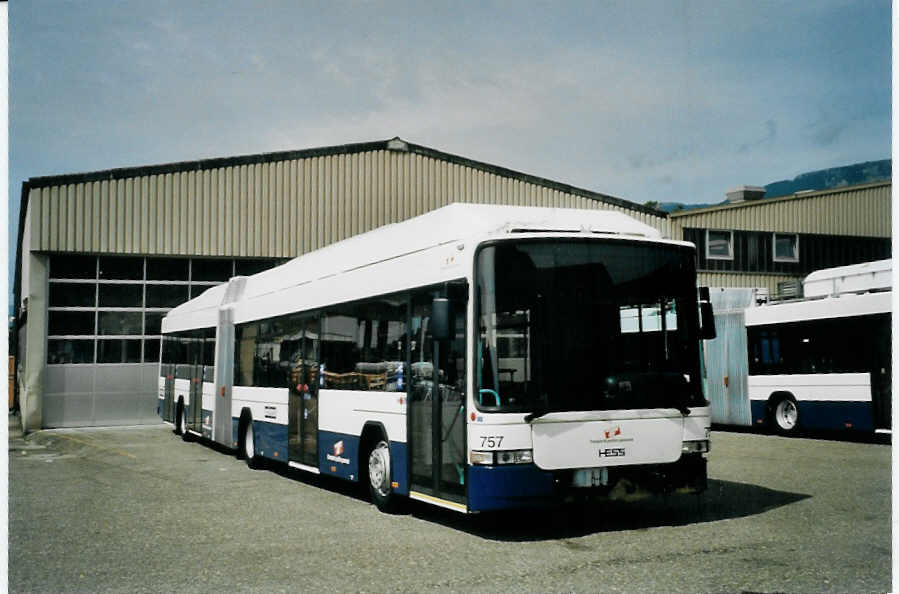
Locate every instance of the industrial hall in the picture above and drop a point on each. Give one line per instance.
(104, 255)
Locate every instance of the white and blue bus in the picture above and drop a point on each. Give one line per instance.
(476, 357)
(824, 362)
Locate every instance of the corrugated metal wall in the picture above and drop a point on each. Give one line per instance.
(863, 211)
(275, 209)
(744, 280)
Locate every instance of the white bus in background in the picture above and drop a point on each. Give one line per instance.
(476, 357)
(823, 361)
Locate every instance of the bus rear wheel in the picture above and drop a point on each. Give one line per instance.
(247, 446)
(785, 415)
(179, 418)
(185, 435)
(379, 484)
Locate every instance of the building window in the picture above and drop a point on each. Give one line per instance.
(109, 309)
(786, 247)
(719, 245)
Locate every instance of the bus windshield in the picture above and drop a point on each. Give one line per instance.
(579, 325)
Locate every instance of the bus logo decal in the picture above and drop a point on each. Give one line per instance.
(336, 456)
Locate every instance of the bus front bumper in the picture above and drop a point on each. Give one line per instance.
(526, 485)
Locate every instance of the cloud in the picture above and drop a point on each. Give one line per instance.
(766, 141)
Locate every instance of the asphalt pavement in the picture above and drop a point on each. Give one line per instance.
(138, 510)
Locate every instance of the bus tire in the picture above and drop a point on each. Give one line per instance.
(179, 415)
(784, 414)
(378, 473)
(247, 446)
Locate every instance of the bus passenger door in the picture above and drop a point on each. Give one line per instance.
(301, 356)
(436, 408)
(194, 411)
(167, 372)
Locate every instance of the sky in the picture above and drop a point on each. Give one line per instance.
(646, 101)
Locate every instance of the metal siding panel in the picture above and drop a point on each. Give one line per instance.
(214, 207)
(184, 239)
(282, 219)
(206, 223)
(250, 233)
(264, 228)
(78, 219)
(51, 218)
(123, 235)
(275, 203)
(71, 210)
(345, 196)
(142, 220)
(290, 188)
(304, 199)
(94, 241)
(226, 201)
(269, 209)
(154, 216)
(309, 204)
(171, 194)
(317, 203)
(126, 194)
(332, 210)
(239, 221)
(167, 217)
(354, 194)
(194, 202)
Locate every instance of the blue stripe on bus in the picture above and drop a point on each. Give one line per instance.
(398, 470)
(347, 465)
(503, 487)
(857, 416)
(270, 440)
(836, 415)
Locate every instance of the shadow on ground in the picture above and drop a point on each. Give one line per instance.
(722, 501)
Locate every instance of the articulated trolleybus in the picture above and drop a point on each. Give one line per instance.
(476, 357)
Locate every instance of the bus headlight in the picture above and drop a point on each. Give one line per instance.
(695, 447)
(484, 458)
(502, 457)
(515, 457)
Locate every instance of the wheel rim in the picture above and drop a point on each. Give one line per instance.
(379, 469)
(787, 414)
(249, 445)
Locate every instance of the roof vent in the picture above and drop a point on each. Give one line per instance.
(397, 144)
(743, 193)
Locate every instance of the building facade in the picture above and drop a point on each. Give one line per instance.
(104, 255)
(774, 243)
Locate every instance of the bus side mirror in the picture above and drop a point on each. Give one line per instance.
(706, 315)
(440, 319)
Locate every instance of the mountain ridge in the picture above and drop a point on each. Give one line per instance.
(822, 179)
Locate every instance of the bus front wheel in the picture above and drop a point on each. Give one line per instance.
(379, 478)
(785, 414)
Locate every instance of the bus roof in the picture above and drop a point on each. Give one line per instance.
(855, 278)
(843, 306)
(453, 223)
